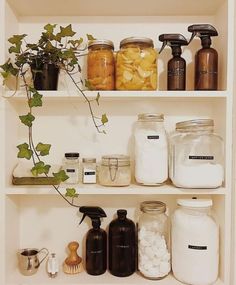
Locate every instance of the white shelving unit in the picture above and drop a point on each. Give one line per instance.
(33, 216)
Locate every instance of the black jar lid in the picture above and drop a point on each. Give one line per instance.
(72, 155)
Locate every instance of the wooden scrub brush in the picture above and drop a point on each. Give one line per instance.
(73, 263)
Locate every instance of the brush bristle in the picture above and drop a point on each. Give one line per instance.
(72, 269)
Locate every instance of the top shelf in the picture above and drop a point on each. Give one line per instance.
(114, 8)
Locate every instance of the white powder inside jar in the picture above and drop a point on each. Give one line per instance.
(195, 248)
(151, 157)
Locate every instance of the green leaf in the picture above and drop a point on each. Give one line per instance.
(40, 168)
(16, 39)
(61, 175)
(9, 68)
(88, 85)
(27, 119)
(104, 119)
(15, 49)
(71, 192)
(24, 151)
(76, 43)
(97, 98)
(43, 149)
(90, 37)
(66, 32)
(49, 28)
(36, 99)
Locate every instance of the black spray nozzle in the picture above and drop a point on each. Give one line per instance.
(94, 213)
(202, 31)
(172, 40)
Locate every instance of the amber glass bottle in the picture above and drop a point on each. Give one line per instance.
(122, 245)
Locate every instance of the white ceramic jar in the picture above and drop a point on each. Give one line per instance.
(194, 242)
(151, 150)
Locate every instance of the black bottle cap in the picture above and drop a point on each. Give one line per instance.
(71, 154)
(121, 213)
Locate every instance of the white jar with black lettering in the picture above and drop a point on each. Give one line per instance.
(194, 242)
(71, 167)
(196, 155)
(89, 172)
(151, 150)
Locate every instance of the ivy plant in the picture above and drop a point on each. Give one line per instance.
(55, 46)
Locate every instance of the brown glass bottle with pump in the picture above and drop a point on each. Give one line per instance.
(206, 59)
(122, 245)
(176, 67)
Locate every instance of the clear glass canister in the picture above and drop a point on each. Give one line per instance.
(151, 150)
(153, 240)
(115, 170)
(136, 65)
(89, 170)
(71, 167)
(195, 242)
(196, 155)
(101, 65)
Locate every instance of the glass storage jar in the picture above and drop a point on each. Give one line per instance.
(115, 170)
(196, 155)
(151, 150)
(89, 170)
(101, 65)
(153, 240)
(136, 65)
(195, 242)
(71, 167)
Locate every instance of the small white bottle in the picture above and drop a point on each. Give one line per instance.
(89, 171)
(52, 266)
(71, 167)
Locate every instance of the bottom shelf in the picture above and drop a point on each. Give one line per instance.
(40, 278)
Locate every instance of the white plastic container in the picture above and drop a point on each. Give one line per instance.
(194, 242)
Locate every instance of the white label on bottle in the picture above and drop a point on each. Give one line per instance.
(89, 175)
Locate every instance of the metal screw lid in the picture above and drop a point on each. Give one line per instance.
(101, 42)
(153, 206)
(134, 40)
(195, 123)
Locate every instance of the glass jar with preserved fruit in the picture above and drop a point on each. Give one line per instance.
(196, 155)
(136, 65)
(153, 240)
(115, 170)
(101, 65)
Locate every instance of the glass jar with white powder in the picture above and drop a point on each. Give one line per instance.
(151, 150)
(196, 155)
(153, 239)
(194, 242)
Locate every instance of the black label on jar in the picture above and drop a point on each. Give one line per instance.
(197, 247)
(89, 173)
(70, 170)
(153, 137)
(203, 157)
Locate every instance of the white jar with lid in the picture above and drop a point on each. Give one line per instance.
(89, 170)
(71, 167)
(115, 170)
(196, 155)
(151, 150)
(195, 242)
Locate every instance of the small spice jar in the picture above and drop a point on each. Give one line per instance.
(101, 65)
(196, 155)
(153, 239)
(136, 65)
(115, 170)
(71, 167)
(89, 170)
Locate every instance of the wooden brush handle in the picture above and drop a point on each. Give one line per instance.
(73, 258)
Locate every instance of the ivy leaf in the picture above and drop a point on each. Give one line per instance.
(71, 192)
(66, 32)
(16, 39)
(76, 43)
(104, 119)
(49, 28)
(88, 85)
(27, 119)
(15, 49)
(40, 168)
(90, 37)
(43, 149)
(36, 99)
(61, 176)
(97, 98)
(8, 68)
(24, 151)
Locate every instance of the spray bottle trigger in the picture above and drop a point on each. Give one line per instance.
(163, 46)
(84, 215)
(193, 35)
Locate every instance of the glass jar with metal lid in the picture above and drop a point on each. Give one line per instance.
(153, 240)
(151, 149)
(196, 155)
(136, 65)
(101, 65)
(115, 170)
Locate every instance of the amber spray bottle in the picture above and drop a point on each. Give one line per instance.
(96, 241)
(176, 67)
(206, 59)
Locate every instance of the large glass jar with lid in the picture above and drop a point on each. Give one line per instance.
(136, 65)
(151, 149)
(101, 65)
(153, 240)
(195, 242)
(115, 170)
(196, 155)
